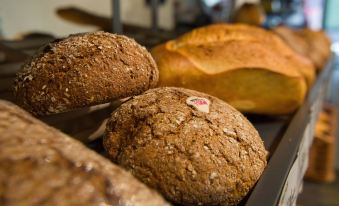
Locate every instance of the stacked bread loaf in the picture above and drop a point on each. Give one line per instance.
(83, 70)
(193, 148)
(314, 45)
(250, 68)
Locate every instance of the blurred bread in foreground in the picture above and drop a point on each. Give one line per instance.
(41, 166)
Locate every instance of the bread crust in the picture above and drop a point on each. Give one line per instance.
(192, 156)
(314, 45)
(222, 34)
(319, 46)
(83, 70)
(41, 166)
(207, 58)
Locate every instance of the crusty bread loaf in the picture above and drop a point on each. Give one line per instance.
(319, 46)
(250, 13)
(314, 45)
(193, 148)
(291, 37)
(83, 70)
(41, 166)
(222, 34)
(248, 67)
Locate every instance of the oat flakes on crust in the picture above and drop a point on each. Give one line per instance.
(83, 70)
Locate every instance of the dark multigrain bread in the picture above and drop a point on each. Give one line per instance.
(41, 166)
(82, 70)
(193, 155)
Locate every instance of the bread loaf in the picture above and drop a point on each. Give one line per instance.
(248, 67)
(41, 166)
(314, 45)
(293, 39)
(193, 148)
(84, 70)
(319, 46)
(250, 13)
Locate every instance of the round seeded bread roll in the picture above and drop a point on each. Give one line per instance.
(193, 148)
(83, 70)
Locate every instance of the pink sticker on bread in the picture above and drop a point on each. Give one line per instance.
(199, 103)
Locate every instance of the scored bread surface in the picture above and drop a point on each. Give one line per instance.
(219, 35)
(250, 68)
(83, 70)
(191, 156)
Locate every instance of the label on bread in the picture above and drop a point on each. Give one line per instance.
(199, 103)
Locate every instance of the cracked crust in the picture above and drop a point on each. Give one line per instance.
(191, 157)
(84, 70)
(41, 166)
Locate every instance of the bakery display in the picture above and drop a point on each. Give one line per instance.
(83, 70)
(193, 148)
(314, 45)
(248, 67)
(228, 119)
(41, 166)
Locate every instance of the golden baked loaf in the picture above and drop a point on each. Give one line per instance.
(250, 13)
(293, 39)
(314, 45)
(319, 46)
(248, 67)
(83, 70)
(41, 166)
(193, 148)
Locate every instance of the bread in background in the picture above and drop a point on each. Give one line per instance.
(293, 39)
(319, 44)
(315, 45)
(250, 13)
(250, 68)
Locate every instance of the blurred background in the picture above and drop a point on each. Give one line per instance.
(159, 19)
(61, 18)
(19, 17)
